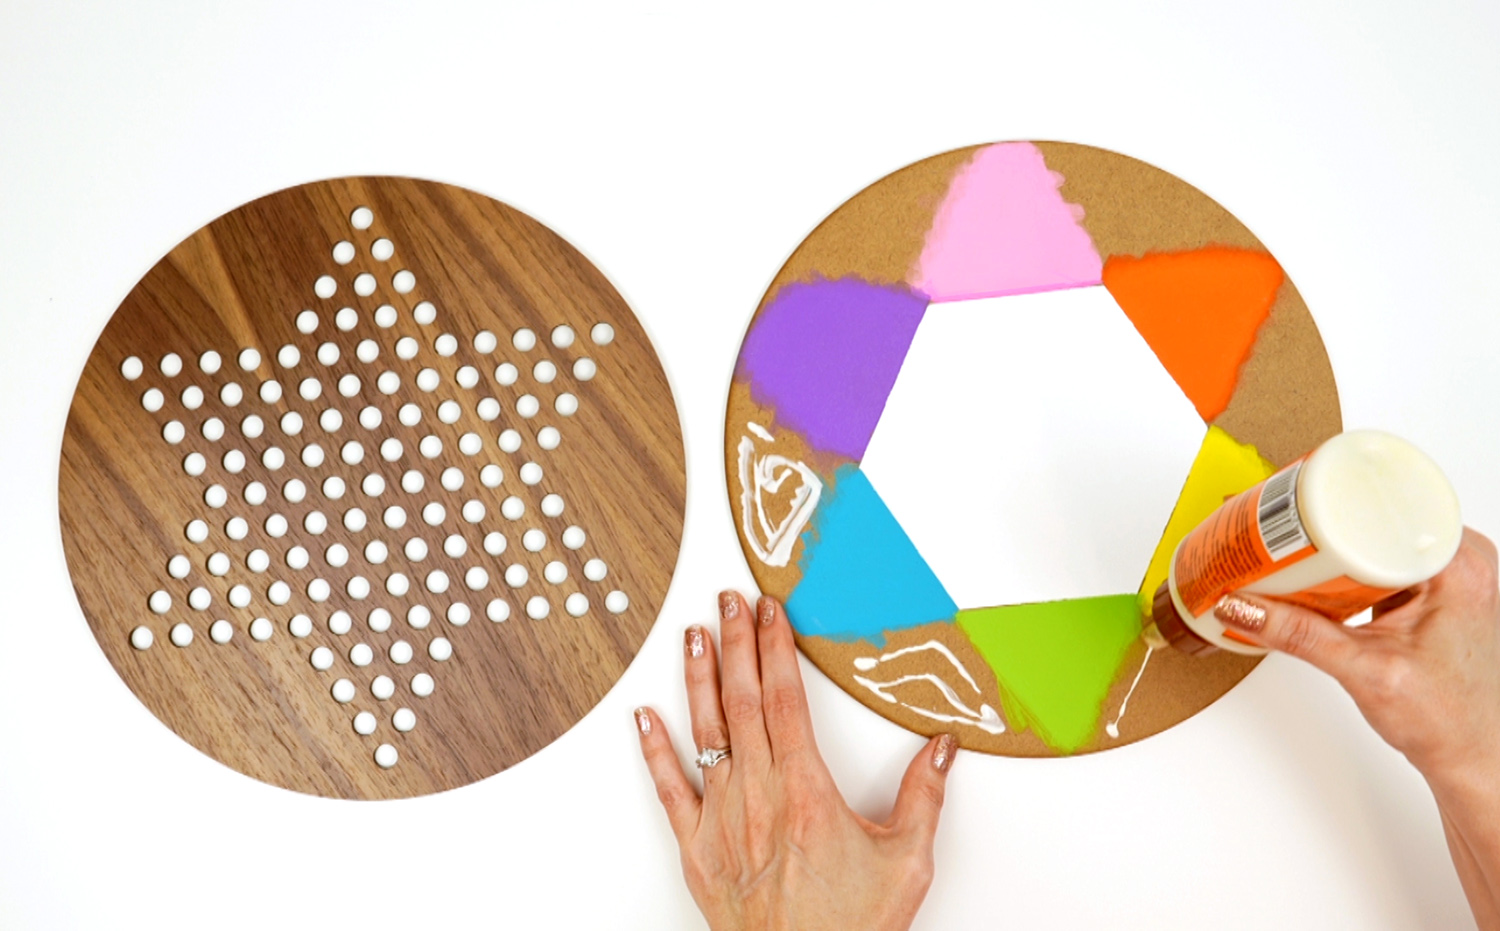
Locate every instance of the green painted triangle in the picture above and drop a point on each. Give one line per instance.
(1055, 661)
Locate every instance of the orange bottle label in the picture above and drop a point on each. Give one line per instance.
(1339, 598)
(1256, 533)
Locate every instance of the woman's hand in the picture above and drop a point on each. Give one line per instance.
(771, 843)
(1426, 675)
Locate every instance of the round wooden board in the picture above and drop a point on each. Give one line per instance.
(1284, 403)
(510, 686)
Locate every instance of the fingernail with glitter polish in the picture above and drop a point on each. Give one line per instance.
(643, 721)
(944, 752)
(766, 610)
(1240, 613)
(729, 605)
(693, 640)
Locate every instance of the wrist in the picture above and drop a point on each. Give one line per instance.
(1465, 779)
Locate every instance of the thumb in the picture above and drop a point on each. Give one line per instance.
(1292, 629)
(920, 800)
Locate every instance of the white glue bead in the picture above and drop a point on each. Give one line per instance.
(552, 505)
(197, 531)
(401, 652)
(424, 313)
(534, 540)
(382, 687)
(404, 719)
(365, 723)
(322, 659)
(239, 596)
(562, 336)
(141, 638)
(379, 620)
(261, 629)
(513, 508)
(182, 635)
(531, 473)
(385, 754)
(179, 566)
(528, 406)
(171, 365)
(538, 607)
(301, 626)
(494, 543)
(577, 604)
(585, 369)
(506, 374)
(574, 537)
(343, 691)
(616, 602)
(490, 476)
(524, 340)
(497, 610)
(602, 334)
(476, 578)
(458, 614)
(595, 570)
(221, 631)
(153, 399)
(555, 572)
(440, 649)
(422, 685)
(199, 599)
(133, 368)
(516, 575)
(361, 655)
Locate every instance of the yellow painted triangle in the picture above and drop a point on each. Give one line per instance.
(1223, 468)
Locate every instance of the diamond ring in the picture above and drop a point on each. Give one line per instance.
(708, 757)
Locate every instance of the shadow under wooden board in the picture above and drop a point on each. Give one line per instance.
(372, 488)
(975, 412)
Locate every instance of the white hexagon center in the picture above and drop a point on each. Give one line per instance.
(1033, 447)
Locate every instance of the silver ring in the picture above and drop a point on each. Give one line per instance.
(708, 757)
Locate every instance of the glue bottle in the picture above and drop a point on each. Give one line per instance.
(1360, 518)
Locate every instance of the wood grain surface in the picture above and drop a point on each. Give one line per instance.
(1285, 404)
(511, 686)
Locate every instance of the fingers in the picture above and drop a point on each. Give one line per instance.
(920, 801)
(701, 669)
(783, 699)
(741, 684)
(672, 787)
(1294, 630)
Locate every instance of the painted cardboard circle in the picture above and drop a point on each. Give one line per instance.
(1282, 401)
(325, 402)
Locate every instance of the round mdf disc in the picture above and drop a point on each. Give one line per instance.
(1002, 281)
(388, 476)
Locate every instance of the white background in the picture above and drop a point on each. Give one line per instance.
(687, 148)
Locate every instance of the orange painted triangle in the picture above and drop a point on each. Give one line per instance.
(1199, 311)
